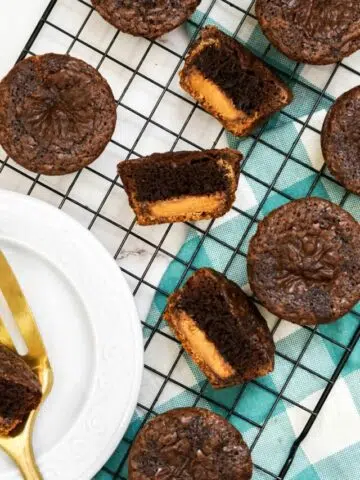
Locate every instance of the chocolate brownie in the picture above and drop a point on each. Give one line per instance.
(57, 114)
(340, 140)
(304, 262)
(221, 329)
(189, 444)
(231, 83)
(179, 186)
(311, 31)
(20, 390)
(146, 18)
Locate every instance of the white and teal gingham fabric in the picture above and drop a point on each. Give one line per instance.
(283, 161)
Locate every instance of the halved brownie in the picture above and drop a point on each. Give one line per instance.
(231, 83)
(20, 390)
(221, 329)
(181, 186)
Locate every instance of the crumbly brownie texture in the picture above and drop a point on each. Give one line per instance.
(7, 425)
(57, 114)
(236, 344)
(311, 31)
(146, 18)
(20, 390)
(231, 83)
(189, 444)
(304, 262)
(183, 179)
(340, 140)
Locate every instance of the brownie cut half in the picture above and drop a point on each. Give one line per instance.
(189, 444)
(304, 262)
(20, 390)
(221, 329)
(231, 83)
(181, 186)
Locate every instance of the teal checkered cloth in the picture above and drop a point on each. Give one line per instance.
(270, 412)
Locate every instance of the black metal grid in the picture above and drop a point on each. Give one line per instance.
(94, 214)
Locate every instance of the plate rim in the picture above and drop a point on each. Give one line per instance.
(96, 463)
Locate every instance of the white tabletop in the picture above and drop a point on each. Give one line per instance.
(17, 20)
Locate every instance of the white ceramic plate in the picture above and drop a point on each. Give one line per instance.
(88, 320)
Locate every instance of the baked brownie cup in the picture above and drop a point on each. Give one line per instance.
(181, 186)
(340, 140)
(223, 332)
(20, 390)
(189, 444)
(146, 18)
(57, 114)
(311, 31)
(231, 83)
(304, 262)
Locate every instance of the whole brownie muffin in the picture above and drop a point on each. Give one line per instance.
(340, 140)
(57, 114)
(146, 18)
(189, 444)
(304, 262)
(311, 31)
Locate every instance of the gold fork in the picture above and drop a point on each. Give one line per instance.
(19, 445)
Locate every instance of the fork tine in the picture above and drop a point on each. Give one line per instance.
(20, 309)
(5, 338)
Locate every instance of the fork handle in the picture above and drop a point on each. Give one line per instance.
(22, 453)
(27, 465)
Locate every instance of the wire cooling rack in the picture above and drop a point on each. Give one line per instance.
(96, 198)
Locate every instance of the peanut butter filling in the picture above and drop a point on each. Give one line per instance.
(202, 349)
(187, 205)
(212, 95)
